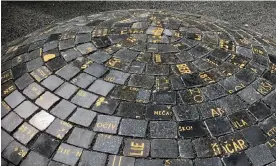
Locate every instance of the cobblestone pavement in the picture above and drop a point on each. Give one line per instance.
(139, 88)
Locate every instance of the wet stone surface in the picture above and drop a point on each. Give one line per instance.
(139, 88)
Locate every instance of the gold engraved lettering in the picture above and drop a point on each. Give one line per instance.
(240, 124)
(9, 89)
(137, 148)
(163, 112)
(272, 142)
(264, 87)
(84, 66)
(4, 104)
(64, 151)
(183, 68)
(217, 112)
(157, 31)
(157, 58)
(272, 131)
(185, 128)
(100, 101)
(106, 125)
(197, 95)
(206, 78)
(168, 162)
(112, 62)
(81, 93)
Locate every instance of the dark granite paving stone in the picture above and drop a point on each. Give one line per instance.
(117, 77)
(68, 35)
(164, 97)
(59, 128)
(270, 100)
(83, 80)
(126, 54)
(104, 105)
(218, 126)
(124, 93)
(144, 57)
(63, 109)
(162, 83)
(236, 160)
(83, 117)
(232, 84)
(259, 110)
(231, 104)
(136, 147)
(50, 54)
(41, 120)
(120, 160)
(34, 64)
(6, 66)
(241, 119)
(83, 38)
(143, 81)
(149, 162)
(101, 87)
(191, 129)
(66, 90)
(84, 99)
(19, 70)
(176, 83)
(153, 69)
(250, 95)
(108, 143)
(210, 109)
(117, 63)
(107, 124)
(67, 72)
(4, 162)
(52, 82)
(268, 126)
(35, 159)
(25, 133)
(238, 60)
(14, 99)
(259, 155)
(99, 57)
(7, 88)
(6, 139)
(215, 161)
(206, 147)
(272, 164)
(164, 148)
(192, 96)
(199, 51)
(5, 76)
(56, 63)
(163, 129)
(45, 145)
(176, 162)
(34, 47)
(65, 44)
(5, 109)
(143, 96)
(220, 54)
(19, 59)
(86, 48)
(41, 73)
(71, 54)
(270, 76)
(132, 127)
(254, 136)
(11, 121)
(227, 69)
(67, 154)
(81, 137)
(158, 112)
(203, 64)
(184, 56)
(246, 76)
(46, 100)
(192, 79)
(125, 109)
(15, 152)
(263, 86)
(186, 149)
(96, 70)
(92, 158)
(33, 90)
(214, 91)
(50, 45)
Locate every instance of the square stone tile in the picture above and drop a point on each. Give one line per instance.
(232, 84)
(5, 109)
(120, 160)
(71, 54)
(137, 67)
(92, 158)
(35, 159)
(101, 42)
(19, 70)
(99, 57)
(86, 48)
(46, 100)
(143, 81)
(67, 72)
(84, 99)
(241, 119)
(163, 129)
(136, 147)
(185, 112)
(83, 117)
(67, 154)
(164, 148)
(14, 99)
(45, 145)
(231, 103)
(6, 139)
(186, 149)
(118, 64)
(108, 143)
(7, 88)
(41, 120)
(192, 96)
(81, 137)
(107, 124)
(218, 126)
(15, 152)
(65, 44)
(101, 87)
(25, 133)
(66, 90)
(33, 90)
(263, 86)
(26, 109)
(63, 109)
(132, 127)
(104, 105)
(254, 135)
(259, 110)
(191, 129)
(6, 75)
(259, 155)
(164, 97)
(153, 69)
(83, 80)
(236, 160)
(126, 54)
(159, 112)
(203, 147)
(83, 38)
(208, 162)
(52, 82)
(250, 95)
(41, 73)
(266, 126)
(59, 128)
(125, 110)
(11, 121)
(56, 63)
(117, 77)
(23, 81)
(96, 70)
(214, 91)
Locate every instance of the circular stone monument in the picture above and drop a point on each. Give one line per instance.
(139, 88)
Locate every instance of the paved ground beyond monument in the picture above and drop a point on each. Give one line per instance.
(139, 88)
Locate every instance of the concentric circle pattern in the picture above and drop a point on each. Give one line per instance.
(139, 88)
